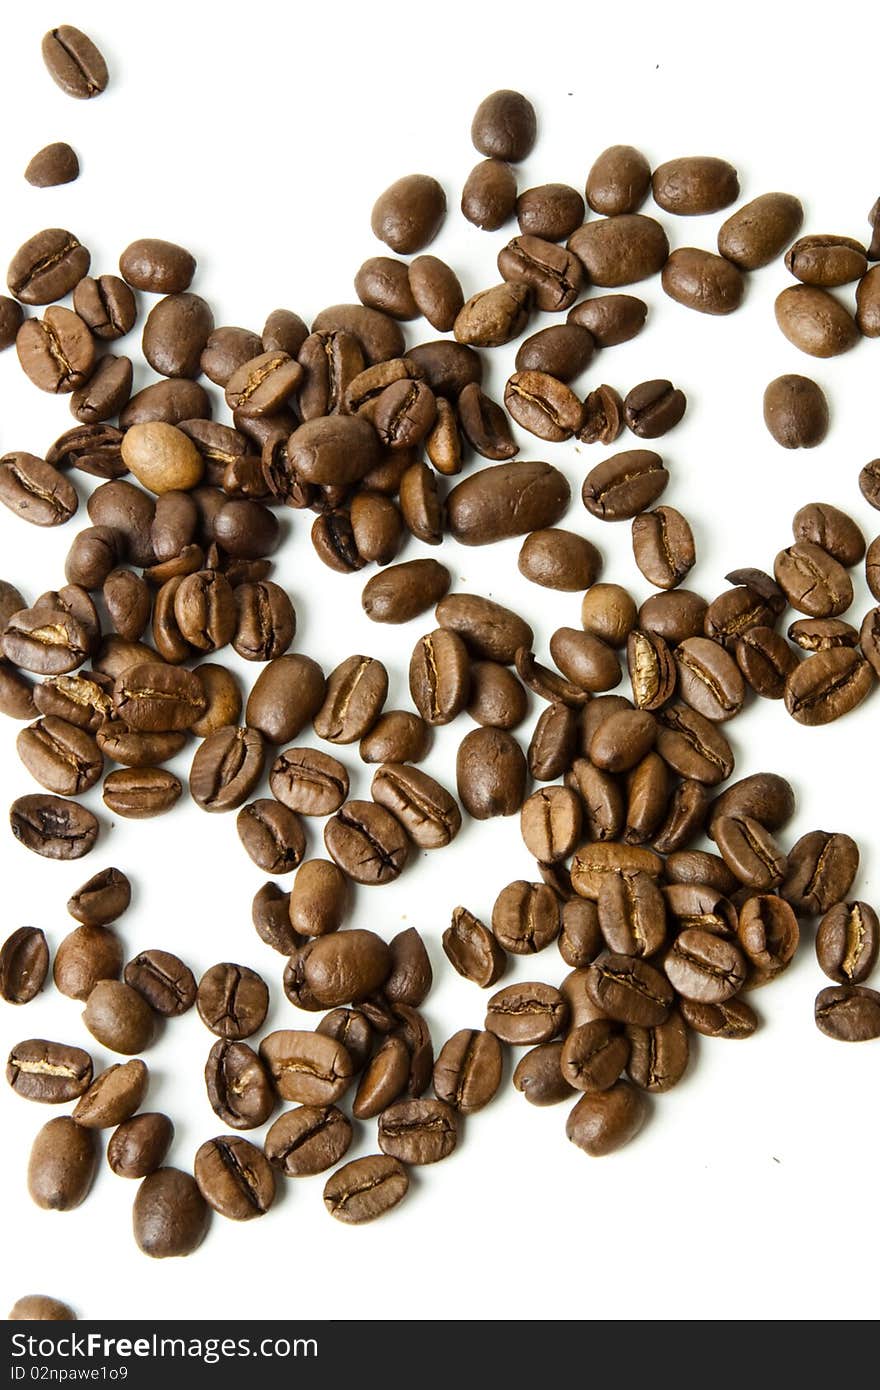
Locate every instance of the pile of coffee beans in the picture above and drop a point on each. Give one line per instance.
(615, 793)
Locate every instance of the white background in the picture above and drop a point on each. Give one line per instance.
(259, 137)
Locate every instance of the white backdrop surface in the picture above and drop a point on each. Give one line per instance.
(259, 138)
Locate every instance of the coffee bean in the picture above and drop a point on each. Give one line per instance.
(286, 695)
(525, 1014)
(405, 590)
(504, 125)
(553, 744)
(158, 266)
(550, 823)
(827, 686)
(24, 965)
(703, 906)
(821, 869)
(38, 1307)
(693, 746)
(766, 661)
(618, 181)
(553, 274)
(119, 1017)
(652, 670)
(105, 393)
(418, 1131)
(559, 559)
(309, 1068)
(848, 942)
(163, 981)
(594, 1055)
(490, 773)
(167, 402)
(699, 280)
(238, 1085)
(398, 736)
(822, 634)
(308, 1140)
(49, 1072)
(658, 1056)
(764, 797)
(848, 1013)
(439, 676)
(62, 1165)
(674, 616)
(379, 336)
(539, 1075)
(47, 267)
(563, 351)
(603, 1121)
(509, 499)
(270, 915)
(409, 214)
(355, 694)
(551, 211)
(232, 1001)
(484, 425)
(488, 197)
(814, 321)
(138, 793)
(620, 250)
(383, 283)
(36, 491)
(495, 316)
(425, 809)
(404, 414)
(610, 318)
(631, 914)
(226, 768)
(653, 407)
(367, 842)
(384, 1080)
(234, 1178)
(227, 349)
(525, 917)
(308, 782)
(139, 1145)
(467, 1073)
(436, 291)
(826, 526)
(700, 868)
(695, 184)
(11, 319)
(580, 940)
(624, 485)
(443, 444)
(709, 680)
(318, 898)
(60, 756)
(52, 827)
(283, 331)
(543, 406)
(128, 601)
(365, 1189)
(346, 967)
(796, 412)
(750, 851)
(74, 63)
(868, 305)
(85, 956)
(488, 630)
(421, 505)
(376, 527)
(473, 950)
(622, 740)
(113, 1096)
(170, 1214)
(759, 231)
(56, 352)
(768, 934)
(704, 966)
(826, 260)
(629, 990)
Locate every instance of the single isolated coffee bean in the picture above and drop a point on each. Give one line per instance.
(119, 1017)
(526, 1014)
(52, 827)
(74, 62)
(603, 1121)
(234, 1177)
(38, 1307)
(618, 181)
(418, 1131)
(694, 185)
(49, 1072)
(814, 321)
(426, 810)
(796, 412)
(488, 198)
(24, 965)
(113, 1096)
(826, 260)
(848, 1013)
(551, 211)
(409, 214)
(848, 942)
(759, 231)
(47, 267)
(490, 773)
(473, 949)
(62, 1166)
(163, 981)
(308, 1140)
(702, 281)
(653, 408)
(170, 1215)
(620, 250)
(238, 1085)
(467, 1073)
(232, 1001)
(365, 1189)
(504, 126)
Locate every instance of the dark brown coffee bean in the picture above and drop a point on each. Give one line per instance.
(695, 184)
(383, 283)
(404, 413)
(553, 274)
(36, 491)
(620, 250)
(308, 1140)
(562, 351)
(152, 697)
(709, 680)
(652, 670)
(703, 906)
(827, 686)
(284, 331)
(332, 362)
(705, 967)
(102, 899)
(674, 616)
(821, 524)
(78, 699)
(365, 1189)
(473, 950)
(594, 1055)
(405, 590)
(11, 319)
(796, 412)
(550, 823)
(170, 1214)
(585, 660)
(56, 352)
(409, 214)
(525, 917)
(658, 1056)
(436, 291)
(733, 1018)
(822, 634)
(610, 319)
(764, 797)
(504, 125)
(768, 934)
(624, 485)
(47, 267)
(467, 1073)
(868, 304)
(270, 914)
(629, 990)
(543, 406)
(204, 609)
(489, 631)
(74, 63)
(603, 1121)
(319, 898)
(421, 504)
(234, 1178)
(355, 694)
(272, 835)
(367, 843)
(760, 231)
(226, 768)
(485, 425)
(16, 694)
(490, 773)
(653, 407)
(52, 827)
(266, 621)
(398, 736)
(425, 809)
(163, 981)
(814, 321)
(632, 914)
(286, 695)
(848, 1013)
(821, 869)
(411, 976)
(128, 601)
(48, 1072)
(497, 698)
(175, 334)
(526, 1014)
(239, 1089)
(139, 1145)
(308, 782)
(85, 956)
(602, 799)
(848, 942)
(700, 868)
(750, 851)
(418, 1131)
(158, 266)
(232, 1001)
(105, 393)
(309, 1068)
(167, 402)
(622, 740)
(227, 349)
(379, 336)
(443, 444)
(618, 181)
(551, 211)
(24, 965)
(699, 280)
(439, 676)
(113, 1096)
(495, 316)
(826, 260)
(766, 661)
(510, 499)
(60, 756)
(119, 1017)
(106, 304)
(693, 746)
(62, 1165)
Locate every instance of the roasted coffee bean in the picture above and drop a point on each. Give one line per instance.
(495, 316)
(526, 1014)
(11, 319)
(510, 499)
(436, 291)
(629, 990)
(796, 412)
(170, 1214)
(603, 416)
(163, 981)
(119, 1017)
(113, 1096)
(750, 851)
(309, 1068)
(543, 406)
(490, 773)
(848, 1013)
(367, 843)
(85, 956)
(562, 351)
(467, 1073)
(49, 1072)
(624, 485)
(709, 680)
(525, 917)
(759, 231)
(52, 827)
(284, 331)
(383, 283)
(766, 661)
(226, 768)
(398, 736)
(404, 591)
(62, 1165)
(36, 491)
(695, 184)
(332, 363)
(139, 1145)
(365, 1189)
(355, 694)
(421, 505)
(618, 181)
(47, 267)
(553, 274)
(551, 211)
(473, 950)
(610, 319)
(582, 1007)
(609, 613)
(632, 914)
(24, 965)
(594, 1055)
(827, 686)
(821, 524)
(379, 336)
(309, 782)
(169, 402)
(74, 63)
(158, 266)
(239, 1089)
(700, 868)
(82, 699)
(376, 527)
(263, 385)
(443, 444)
(504, 125)
(652, 670)
(246, 530)
(693, 746)
(602, 799)
(287, 694)
(653, 407)
(266, 621)
(232, 1001)
(175, 334)
(603, 1121)
(580, 939)
(60, 756)
(272, 835)
(702, 281)
(16, 694)
(826, 260)
(764, 797)
(658, 1056)
(622, 740)
(162, 457)
(705, 967)
(620, 250)
(425, 809)
(703, 905)
(204, 609)
(234, 1178)
(120, 744)
(550, 823)
(733, 1018)
(497, 698)
(868, 304)
(822, 634)
(318, 898)
(409, 214)
(418, 1131)
(92, 557)
(410, 978)
(485, 425)
(56, 352)
(227, 349)
(105, 393)
(128, 601)
(768, 934)
(674, 616)
(740, 610)
(821, 869)
(848, 942)
(106, 304)
(585, 660)
(814, 321)
(270, 914)
(489, 631)
(404, 413)
(308, 1140)
(439, 676)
